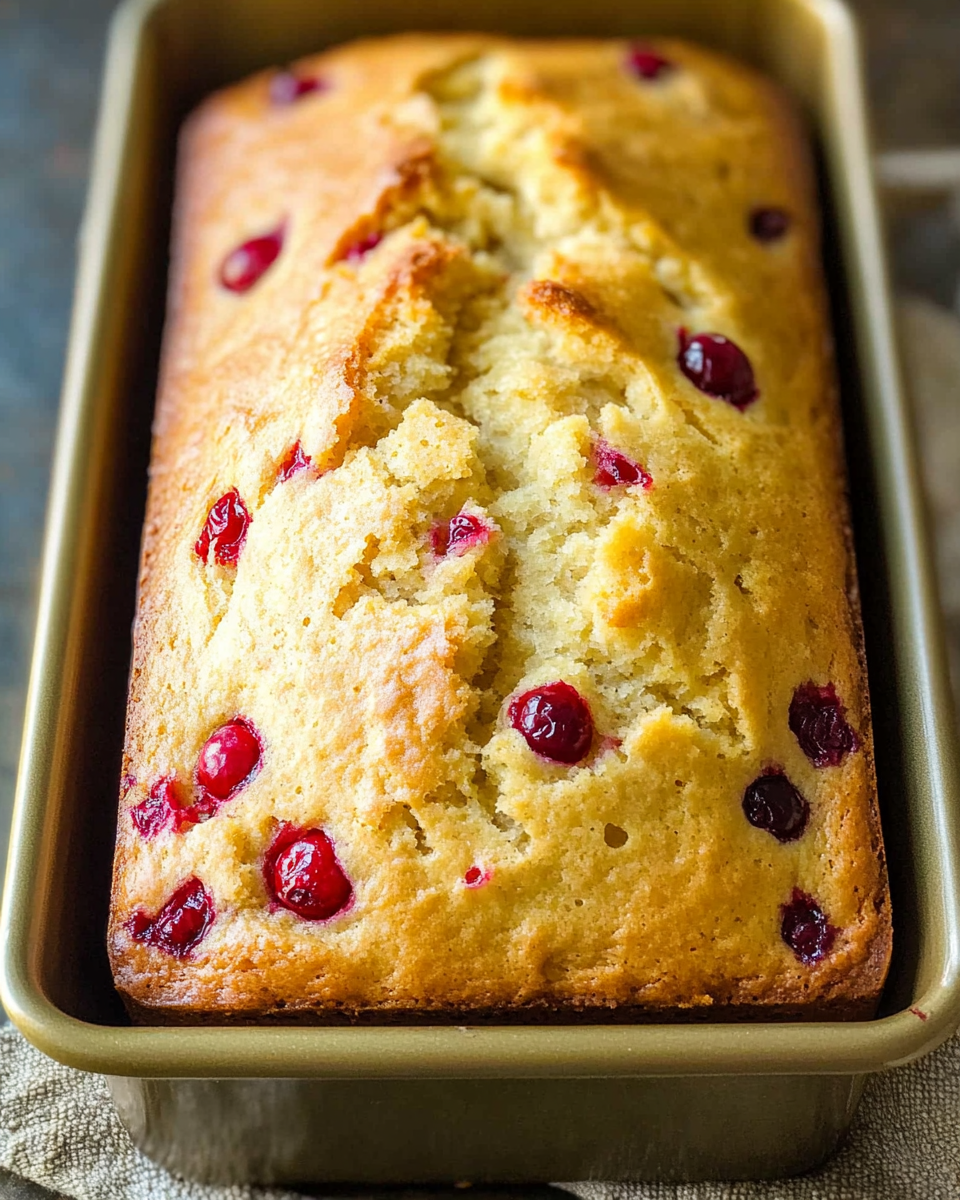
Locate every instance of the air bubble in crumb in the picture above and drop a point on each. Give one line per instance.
(614, 836)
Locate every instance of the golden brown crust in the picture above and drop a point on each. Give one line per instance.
(547, 225)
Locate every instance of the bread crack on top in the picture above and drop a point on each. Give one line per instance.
(495, 655)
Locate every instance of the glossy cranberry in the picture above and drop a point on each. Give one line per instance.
(244, 265)
(180, 925)
(614, 469)
(475, 877)
(647, 64)
(159, 809)
(362, 247)
(302, 873)
(295, 462)
(229, 759)
(225, 529)
(459, 534)
(555, 721)
(718, 367)
(805, 928)
(769, 224)
(818, 721)
(772, 803)
(287, 88)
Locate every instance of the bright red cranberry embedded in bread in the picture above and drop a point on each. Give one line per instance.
(614, 469)
(647, 64)
(555, 721)
(244, 265)
(287, 88)
(459, 534)
(718, 367)
(225, 529)
(158, 810)
(182, 923)
(302, 873)
(361, 248)
(818, 721)
(772, 803)
(229, 759)
(295, 462)
(475, 877)
(805, 928)
(769, 224)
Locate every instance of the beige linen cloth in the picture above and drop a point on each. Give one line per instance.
(58, 1127)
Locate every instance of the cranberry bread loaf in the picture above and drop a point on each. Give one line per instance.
(498, 650)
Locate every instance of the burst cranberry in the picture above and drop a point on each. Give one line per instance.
(805, 928)
(718, 367)
(772, 803)
(230, 758)
(180, 925)
(614, 469)
(555, 721)
(244, 265)
(126, 783)
(647, 64)
(475, 877)
(295, 462)
(302, 873)
(159, 809)
(361, 248)
(459, 534)
(225, 529)
(287, 88)
(818, 720)
(769, 224)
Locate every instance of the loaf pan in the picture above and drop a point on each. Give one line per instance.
(421, 1104)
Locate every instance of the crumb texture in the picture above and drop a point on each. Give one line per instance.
(492, 256)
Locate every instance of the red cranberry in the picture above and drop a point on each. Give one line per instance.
(230, 758)
(647, 64)
(362, 247)
(295, 462)
(459, 534)
(302, 873)
(772, 803)
(614, 469)
(555, 721)
(805, 929)
(159, 809)
(718, 367)
(818, 720)
(476, 877)
(769, 224)
(126, 783)
(180, 925)
(287, 88)
(225, 529)
(244, 265)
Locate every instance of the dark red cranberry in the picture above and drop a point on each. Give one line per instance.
(287, 88)
(230, 758)
(159, 809)
(555, 721)
(818, 720)
(244, 265)
(457, 535)
(476, 877)
(772, 803)
(180, 925)
(718, 367)
(295, 462)
(202, 809)
(225, 529)
(362, 247)
(647, 64)
(805, 928)
(769, 224)
(302, 873)
(614, 469)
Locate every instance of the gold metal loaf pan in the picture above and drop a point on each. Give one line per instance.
(496, 1103)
